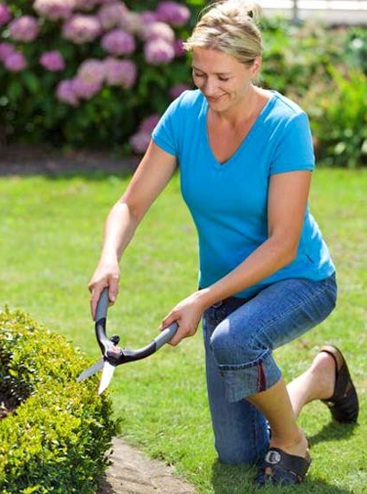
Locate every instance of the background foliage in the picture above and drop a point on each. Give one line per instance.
(324, 69)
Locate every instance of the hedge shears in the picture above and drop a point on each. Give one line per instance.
(113, 355)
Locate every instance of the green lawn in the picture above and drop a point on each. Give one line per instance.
(51, 230)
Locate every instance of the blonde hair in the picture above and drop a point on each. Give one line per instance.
(229, 26)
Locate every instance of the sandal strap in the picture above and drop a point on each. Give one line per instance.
(343, 404)
(342, 376)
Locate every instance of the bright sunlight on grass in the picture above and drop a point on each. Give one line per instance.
(51, 231)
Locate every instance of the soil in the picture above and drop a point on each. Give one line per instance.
(26, 160)
(130, 471)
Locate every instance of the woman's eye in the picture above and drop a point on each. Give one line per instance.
(223, 79)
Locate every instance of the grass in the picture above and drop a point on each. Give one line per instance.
(51, 231)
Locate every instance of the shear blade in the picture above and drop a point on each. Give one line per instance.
(93, 369)
(107, 374)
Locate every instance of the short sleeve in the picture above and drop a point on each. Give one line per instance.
(294, 151)
(164, 134)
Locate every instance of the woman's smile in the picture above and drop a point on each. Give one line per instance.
(214, 99)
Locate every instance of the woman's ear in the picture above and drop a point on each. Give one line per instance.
(255, 68)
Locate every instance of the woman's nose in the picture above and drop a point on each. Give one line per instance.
(209, 87)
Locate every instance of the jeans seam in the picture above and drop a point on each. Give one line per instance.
(254, 363)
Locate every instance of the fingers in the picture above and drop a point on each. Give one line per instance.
(184, 330)
(96, 289)
(177, 338)
(187, 315)
(113, 289)
(95, 296)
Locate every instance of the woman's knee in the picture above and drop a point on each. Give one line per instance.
(231, 344)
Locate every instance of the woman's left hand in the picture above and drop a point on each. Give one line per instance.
(187, 314)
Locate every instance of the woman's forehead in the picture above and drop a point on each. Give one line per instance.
(214, 60)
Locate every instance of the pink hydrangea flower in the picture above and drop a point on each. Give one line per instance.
(118, 42)
(139, 142)
(132, 23)
(15, 62)
(92, 71)
(54, 9)
(81, 28)
(120, 72)
(25, 28)
(173, 13)
(66, 94)
(175, 91)
(5, 15)
(159, 30)
(6, 49)
(148, 16)
(84, 89)
(157, 51)
(52, 61)
(85, 5)
(179, 48)
(112, 15)
(149, 123)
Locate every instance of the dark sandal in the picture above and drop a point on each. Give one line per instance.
(281, 468)
(343, 404)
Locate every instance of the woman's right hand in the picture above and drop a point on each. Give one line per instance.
(106, 275)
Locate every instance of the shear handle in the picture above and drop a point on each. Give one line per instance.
(127, 355)
(100, 325)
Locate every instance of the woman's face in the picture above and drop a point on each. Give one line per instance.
(222, 79)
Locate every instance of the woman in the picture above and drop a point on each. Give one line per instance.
(245, 157)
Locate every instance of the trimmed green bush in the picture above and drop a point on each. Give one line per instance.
(56, 437)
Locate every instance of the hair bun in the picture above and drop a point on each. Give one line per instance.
(253, 9)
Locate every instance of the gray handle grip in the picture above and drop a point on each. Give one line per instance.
(102, 306)
(166, 335)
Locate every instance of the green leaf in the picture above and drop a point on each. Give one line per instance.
(31, 82)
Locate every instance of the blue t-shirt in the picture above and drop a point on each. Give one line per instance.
(228, 202)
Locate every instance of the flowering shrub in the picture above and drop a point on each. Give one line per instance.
(100, 72)
(88, 72)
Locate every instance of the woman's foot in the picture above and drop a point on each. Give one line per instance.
(316, 383)
(298, 446)
(281, 468)
(286, 463)
(342, 400)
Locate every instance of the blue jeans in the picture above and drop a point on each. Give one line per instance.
(240, 336)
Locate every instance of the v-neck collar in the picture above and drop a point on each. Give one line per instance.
(246, 139)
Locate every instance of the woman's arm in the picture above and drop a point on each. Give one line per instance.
(150, 178)
(287, 201)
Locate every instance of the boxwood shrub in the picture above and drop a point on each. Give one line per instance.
(57, 433)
